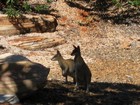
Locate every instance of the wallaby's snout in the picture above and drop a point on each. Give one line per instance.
(72, 54)
(56, 56)
(53, 58)
(75, 51)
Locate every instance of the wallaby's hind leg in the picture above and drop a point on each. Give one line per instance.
(88, 84)
(77, 82)
(74, 81)
(64, 73)
(66, 79)
(76, 86)
(87, 88)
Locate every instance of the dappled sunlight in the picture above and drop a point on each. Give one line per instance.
(102, 93)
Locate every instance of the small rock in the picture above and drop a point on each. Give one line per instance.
(1, 47)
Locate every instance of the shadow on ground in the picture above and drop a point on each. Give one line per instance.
(108, 11)
(57, 93)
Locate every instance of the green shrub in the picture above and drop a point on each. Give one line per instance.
(15, 8)
(119, 3)
(26, 6)
(134, 2)
(12, 12)
(39, 8)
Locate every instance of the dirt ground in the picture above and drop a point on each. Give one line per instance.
(102, 93)
(112, 52)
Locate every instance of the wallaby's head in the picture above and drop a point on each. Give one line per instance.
(76, 51)
(57, 56)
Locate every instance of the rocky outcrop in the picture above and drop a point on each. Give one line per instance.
(27, 24)
(36, 42)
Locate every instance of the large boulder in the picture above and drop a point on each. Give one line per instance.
(21, 77)
(8, 57)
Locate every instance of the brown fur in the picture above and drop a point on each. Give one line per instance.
(67, 66)
(82, 71)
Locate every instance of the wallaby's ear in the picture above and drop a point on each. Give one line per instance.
(78, 47)
(58, 52)
(74, 46)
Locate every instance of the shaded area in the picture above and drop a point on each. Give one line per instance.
(20, 76)
(57, 93)
(25, 24)
(107, 11)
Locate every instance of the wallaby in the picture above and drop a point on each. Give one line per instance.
(82, 71)
(67, 66)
